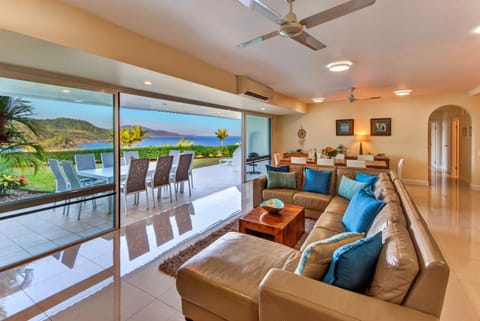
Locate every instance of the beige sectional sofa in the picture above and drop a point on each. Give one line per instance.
(242, 277)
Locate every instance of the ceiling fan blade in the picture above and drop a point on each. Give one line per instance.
(335, 12)
(258, 39)
(264, 10)
(307, 40)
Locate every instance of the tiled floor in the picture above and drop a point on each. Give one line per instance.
(108, 278)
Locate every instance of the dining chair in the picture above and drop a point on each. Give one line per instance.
(107, 159)
(135, 181)
(161, 177)
(61, 183)
(365, 157)
(181, 173)
(298, 160)
(175, 153)
(190, 173)
(129, 154)
(340, 157)
(400, 168)
(276, 158)
(85, 162)
(326, 161)
(356, 163)
(75, 183)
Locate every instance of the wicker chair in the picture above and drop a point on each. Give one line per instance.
(181, 174)
(161, 177)
(135, 182)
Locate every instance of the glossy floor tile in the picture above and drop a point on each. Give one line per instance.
(116, 277)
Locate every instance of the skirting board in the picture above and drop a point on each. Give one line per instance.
(475, 187)
(415, 182)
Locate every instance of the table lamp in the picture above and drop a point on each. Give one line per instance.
(361, 138)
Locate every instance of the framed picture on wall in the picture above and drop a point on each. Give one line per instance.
(344, 127)
(381, 127)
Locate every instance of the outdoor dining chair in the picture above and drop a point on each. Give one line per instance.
(85, 162)
(135, 181)
(161, 177)
(129, 154)
(75, 183)
(107, 159)
(191, 164)
(181, 174)
(61, 183)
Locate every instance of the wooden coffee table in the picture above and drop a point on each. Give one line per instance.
(285, 227)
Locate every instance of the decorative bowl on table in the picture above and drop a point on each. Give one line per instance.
(273, 205)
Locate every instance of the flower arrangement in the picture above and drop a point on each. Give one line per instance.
(329, 151)
(8, 183)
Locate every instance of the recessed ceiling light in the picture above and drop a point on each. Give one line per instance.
(78, 101)
(402, 92)
(147, 82)
(477, 30)
(65, 91)
(263, 108)
(318, 100)
(338, 66)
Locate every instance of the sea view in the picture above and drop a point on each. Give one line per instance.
(170, 140)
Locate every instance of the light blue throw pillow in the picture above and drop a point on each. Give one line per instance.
(349, 187)
(317, 181)
(353, 265)
(281, 180)
(365, 178)
(361, 211)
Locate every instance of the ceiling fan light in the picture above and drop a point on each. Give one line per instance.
(318, 99)
(402, 92)
(477, 30)
(339, 66)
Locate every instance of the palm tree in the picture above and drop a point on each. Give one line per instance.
(221, 134)
(15, 124)
(132, 136)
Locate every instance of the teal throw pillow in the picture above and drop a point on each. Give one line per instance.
(361, 211)
(281, 180)
(317, 181)
(349, 187)
(353, 265)
(283, 169)
(365, 178)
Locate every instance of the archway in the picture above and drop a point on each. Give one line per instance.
(450, 142)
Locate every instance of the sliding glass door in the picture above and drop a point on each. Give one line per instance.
(258, 145)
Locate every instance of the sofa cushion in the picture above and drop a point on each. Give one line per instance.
(361, 211)
(285, 195)
(318, 234)
(316, 257)
(389, 214)
(349, 187)
(317, 181)
(282, 169)
(397, 265)
(353, 265)
(311, 200)
(298, 170)
(281, 180)
(337, 205)
(330, 221)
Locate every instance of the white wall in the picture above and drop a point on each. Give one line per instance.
(409, 139)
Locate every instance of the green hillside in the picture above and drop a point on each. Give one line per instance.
(67, 132)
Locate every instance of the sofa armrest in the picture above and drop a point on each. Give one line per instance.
(259, 184)
(288, 297)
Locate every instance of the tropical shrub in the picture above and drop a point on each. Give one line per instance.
(9, 183)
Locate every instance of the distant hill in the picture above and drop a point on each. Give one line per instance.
(155, 132)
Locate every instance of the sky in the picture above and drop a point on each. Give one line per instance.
(102, 116)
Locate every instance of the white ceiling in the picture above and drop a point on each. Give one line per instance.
(427, 46)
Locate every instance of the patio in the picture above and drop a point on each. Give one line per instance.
(31, 235)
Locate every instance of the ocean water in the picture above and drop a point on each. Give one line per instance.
(171, 140)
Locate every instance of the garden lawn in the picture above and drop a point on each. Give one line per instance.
(44, 181)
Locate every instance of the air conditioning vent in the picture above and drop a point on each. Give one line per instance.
(250, 88)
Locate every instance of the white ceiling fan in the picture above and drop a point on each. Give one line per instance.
(351, 98)
(289, 27)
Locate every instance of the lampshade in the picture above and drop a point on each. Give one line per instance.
(362, 138)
